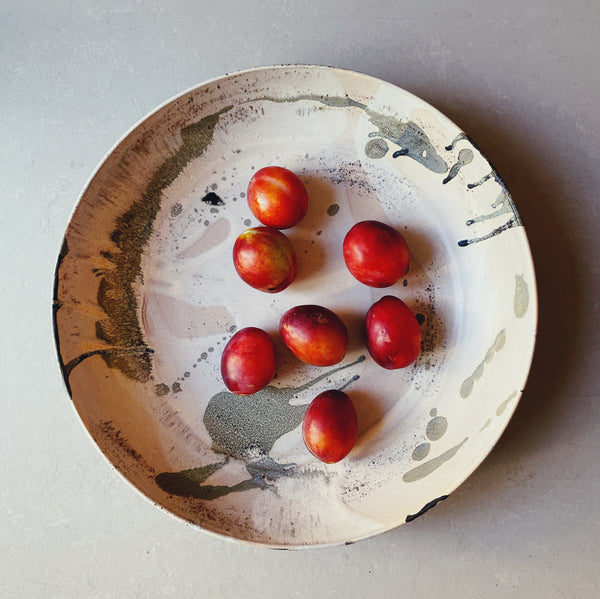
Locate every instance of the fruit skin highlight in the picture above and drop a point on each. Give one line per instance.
(393, 333)
(265, 259)
(330, 426)
(249, 361)
(375, 253)
(314, 334)
(277, 197)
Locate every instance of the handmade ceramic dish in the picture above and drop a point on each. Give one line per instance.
(147, 296)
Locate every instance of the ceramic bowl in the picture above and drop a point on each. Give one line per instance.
(147, 296)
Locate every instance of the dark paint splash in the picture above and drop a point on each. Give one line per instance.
(426, 508)
(414, 143)
(212, 199)
(245, 428)
(407, 135)
(108, 354)
(503, 205)
(127, 350)
(240, 427)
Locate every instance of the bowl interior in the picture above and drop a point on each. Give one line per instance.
(147, 296)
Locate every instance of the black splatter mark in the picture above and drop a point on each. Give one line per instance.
(426, 508)
(212, 199)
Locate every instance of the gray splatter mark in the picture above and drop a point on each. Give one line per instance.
(333, 209)
(176, 209)
(465, 156)
(420, 452)
(436, 428)
(521, 301)
(376, 148)
(414, 143)
(504, 404)
(487, 423)
(246, 428)
(241, 425)
(467, 387)
(430, 466)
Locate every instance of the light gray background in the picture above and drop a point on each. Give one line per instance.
(520, 77)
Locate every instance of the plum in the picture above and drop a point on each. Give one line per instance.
(330, 426)
(314, 334)
(393, 333)
(249, 361)
(265, 259)
(375, 253)
(277, 197)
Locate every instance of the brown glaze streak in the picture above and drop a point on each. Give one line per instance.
(116, 294)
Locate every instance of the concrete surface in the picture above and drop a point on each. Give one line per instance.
(520, 78)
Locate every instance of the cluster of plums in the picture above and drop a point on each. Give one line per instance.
(375, 254)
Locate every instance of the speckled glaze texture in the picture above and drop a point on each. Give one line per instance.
(147, 296)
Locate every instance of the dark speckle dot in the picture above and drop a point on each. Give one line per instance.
(161, 389)
(212, 199)
(211, 349)
(333, 209)
(186, 374)
(247, 222)
(405, 282)
(176, 209)
(176, 387)
(420, 318)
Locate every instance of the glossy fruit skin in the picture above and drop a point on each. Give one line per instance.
(249, 361)
(375, 253)
(393, 333)
(316, 335)
(330, 426)
(277, 197)
(265, 259)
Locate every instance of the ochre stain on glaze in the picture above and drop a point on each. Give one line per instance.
(116, 296)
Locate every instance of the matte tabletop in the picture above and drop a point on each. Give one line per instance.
(521, 78)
